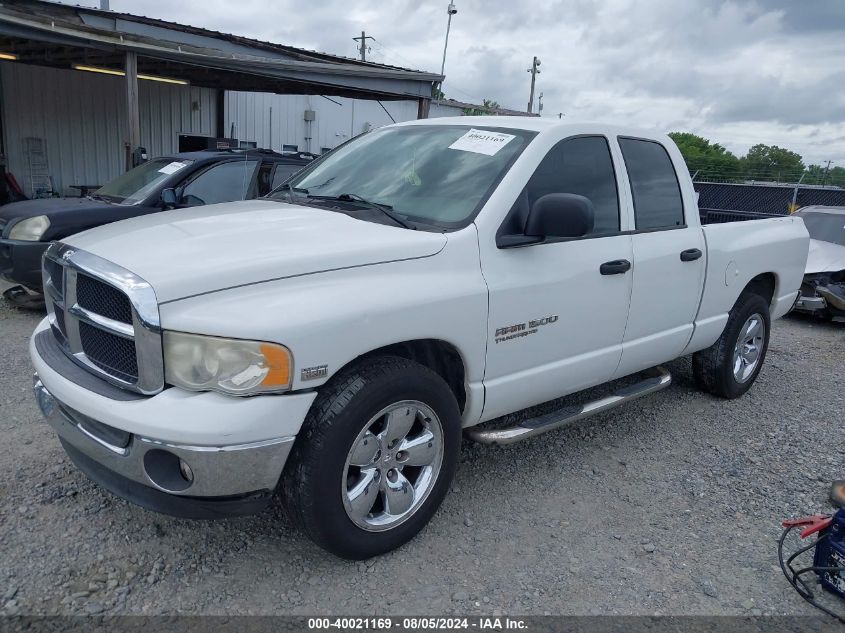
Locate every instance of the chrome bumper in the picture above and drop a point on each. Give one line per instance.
(810, 304)
(176, 469)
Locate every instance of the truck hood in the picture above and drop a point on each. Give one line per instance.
(825, 257)
(186, 252)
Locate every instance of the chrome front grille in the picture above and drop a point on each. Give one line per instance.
(105, 318)
(55, 272)
(113, 354)
(92, 294)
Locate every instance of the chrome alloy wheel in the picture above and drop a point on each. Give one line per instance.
(392, 465)
(749, 347)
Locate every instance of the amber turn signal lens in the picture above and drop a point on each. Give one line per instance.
(278, 361)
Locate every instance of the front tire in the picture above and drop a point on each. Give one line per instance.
(730, 366)
(374, 459)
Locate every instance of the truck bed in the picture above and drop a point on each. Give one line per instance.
(737, 252)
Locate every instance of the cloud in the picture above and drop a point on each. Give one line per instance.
(721, 68)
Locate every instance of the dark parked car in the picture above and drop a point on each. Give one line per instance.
(181, 180)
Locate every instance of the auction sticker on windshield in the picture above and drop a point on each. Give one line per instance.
(171, 168)
(482, 142)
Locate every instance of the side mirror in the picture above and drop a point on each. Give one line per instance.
(169, 199)
(560, 215)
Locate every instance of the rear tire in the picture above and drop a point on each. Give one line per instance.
(730, 366)
(374, 459)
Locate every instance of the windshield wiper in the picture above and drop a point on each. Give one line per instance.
(386, 209)
(290, 190)
(287, 187)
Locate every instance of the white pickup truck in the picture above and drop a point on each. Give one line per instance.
(332, 341)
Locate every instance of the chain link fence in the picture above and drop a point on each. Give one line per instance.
(729, 202)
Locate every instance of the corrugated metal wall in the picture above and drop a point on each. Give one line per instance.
(272, 120)
(82, 118)
(168, 110)
(440, 110)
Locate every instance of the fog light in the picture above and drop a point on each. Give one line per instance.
(167, 471)
(186, 471)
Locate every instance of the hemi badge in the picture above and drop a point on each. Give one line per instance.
(312, 373)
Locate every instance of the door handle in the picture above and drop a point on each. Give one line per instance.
(690, 255)
(616, 267)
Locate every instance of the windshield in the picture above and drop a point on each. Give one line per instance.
(826, 227)
(136, 184)
(434, 174)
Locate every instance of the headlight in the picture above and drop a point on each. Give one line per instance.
(30, 229)
(203, 363)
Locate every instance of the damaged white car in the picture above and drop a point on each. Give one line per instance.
(823, 288)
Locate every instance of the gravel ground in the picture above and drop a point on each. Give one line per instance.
(670, 505)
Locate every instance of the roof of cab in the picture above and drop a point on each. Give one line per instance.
(539, 124)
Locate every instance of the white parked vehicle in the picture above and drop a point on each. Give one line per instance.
(425, 278)
(823, 290)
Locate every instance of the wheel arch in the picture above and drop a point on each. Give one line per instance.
(765, 285)
(440, 356)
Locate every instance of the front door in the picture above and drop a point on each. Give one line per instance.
(556, 320)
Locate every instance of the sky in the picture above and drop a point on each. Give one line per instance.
(738, 72)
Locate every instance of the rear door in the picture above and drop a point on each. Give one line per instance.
(669, 259)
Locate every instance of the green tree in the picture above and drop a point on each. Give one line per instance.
(836, 176)
(818, 175)
(770, 162)
(813, 175)
(488, 107)
(711, 160)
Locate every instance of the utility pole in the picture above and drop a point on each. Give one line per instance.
(363, 48)
(450, 10)
(540, 103)
(534, 70)
(826, 169)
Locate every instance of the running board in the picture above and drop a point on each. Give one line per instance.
(660, 379)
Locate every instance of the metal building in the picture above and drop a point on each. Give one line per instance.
(273, 121)
(80, 88)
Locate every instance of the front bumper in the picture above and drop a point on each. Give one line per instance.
(20, 262)
(135, 446)
(188, 481)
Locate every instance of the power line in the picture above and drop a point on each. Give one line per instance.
(407, 61)
(412, 64)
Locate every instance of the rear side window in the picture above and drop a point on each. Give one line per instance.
(283, 172)
(582, 166)
(654, 185)
(224, 182)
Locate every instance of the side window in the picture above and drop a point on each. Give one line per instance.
(654, 184)
(582, 166)
(283, 172)
(224, 182)
(263, 180)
